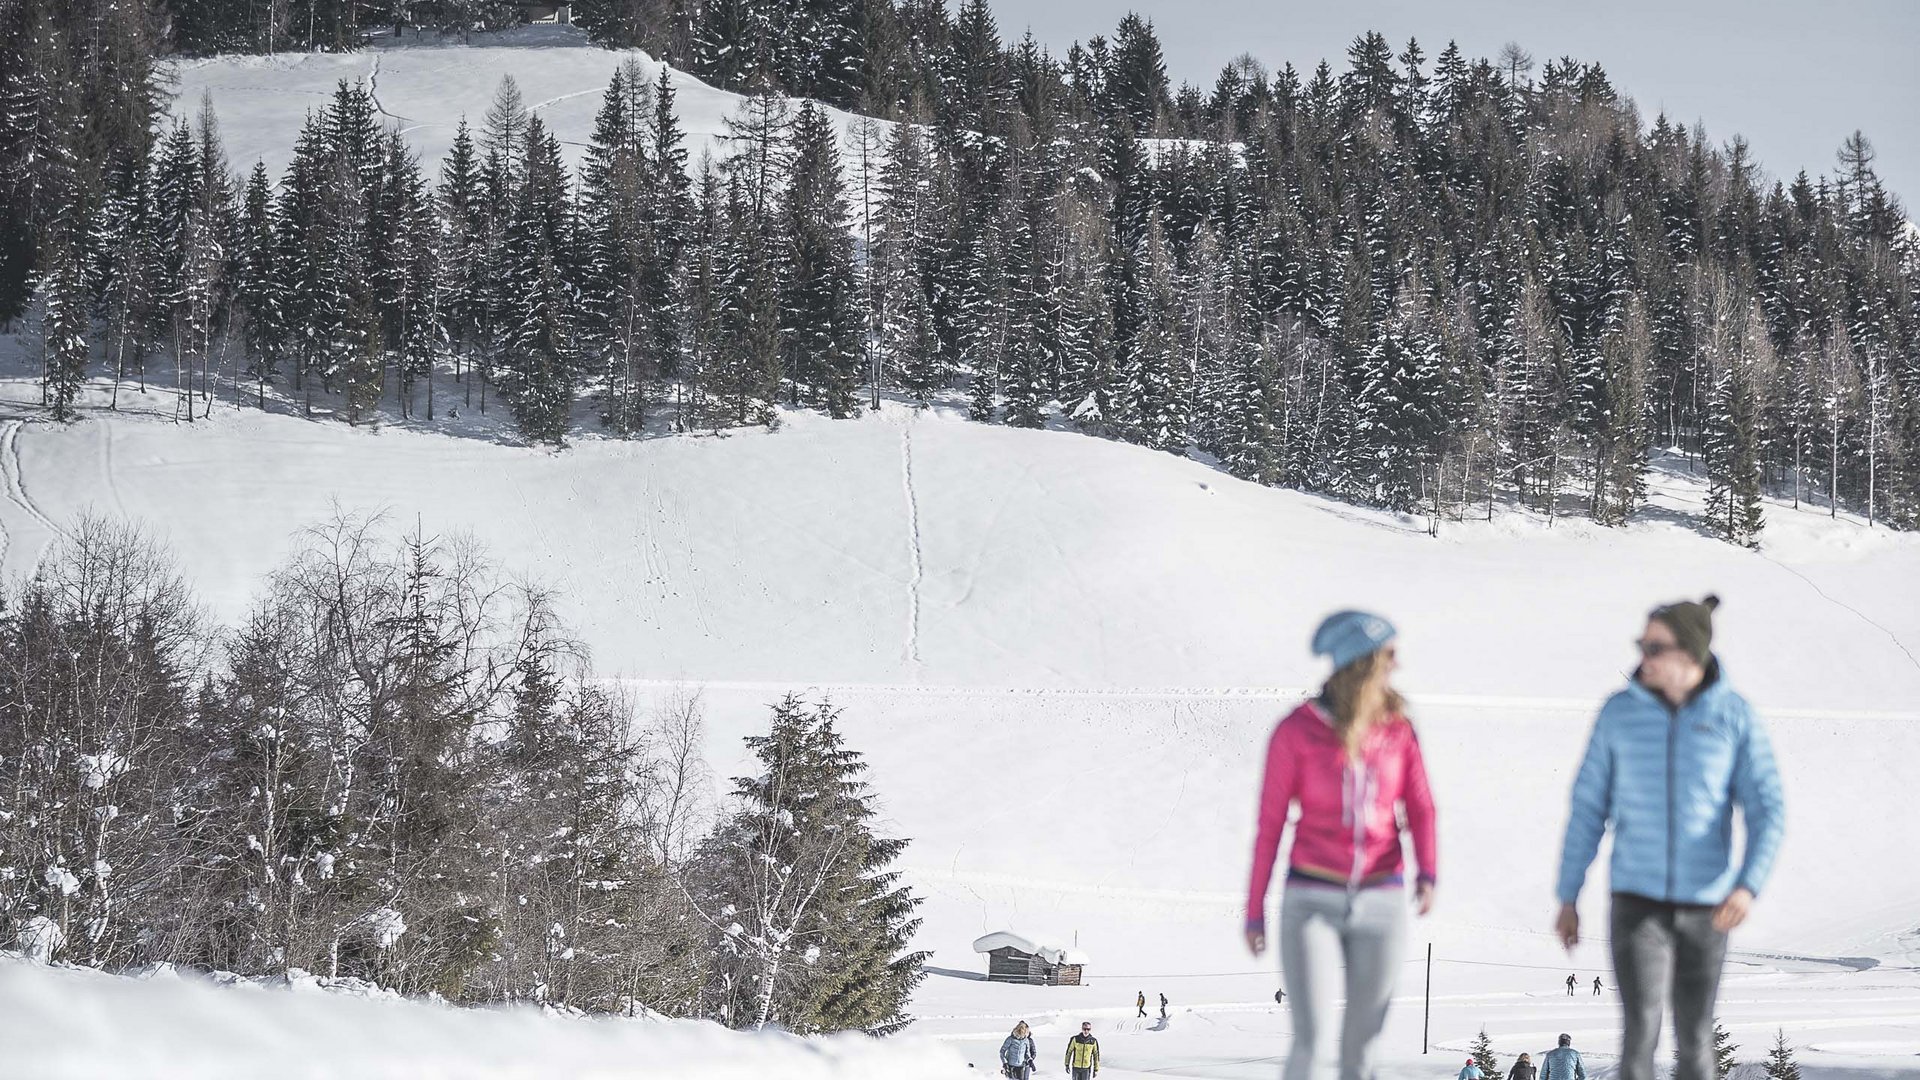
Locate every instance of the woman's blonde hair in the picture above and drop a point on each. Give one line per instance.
(1359, 701)
(1020, 1029)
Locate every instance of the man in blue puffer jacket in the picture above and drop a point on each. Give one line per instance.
(1670, 758)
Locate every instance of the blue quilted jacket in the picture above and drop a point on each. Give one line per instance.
(1667, 782)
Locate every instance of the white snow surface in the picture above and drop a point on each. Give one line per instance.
(73, 1024)
(423, 86)
(1061, 657)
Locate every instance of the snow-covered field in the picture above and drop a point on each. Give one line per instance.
(424, 86)
(1060, 656)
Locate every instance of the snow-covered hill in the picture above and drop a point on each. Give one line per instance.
(162, 1025)
(1060, 656)
(423, 86)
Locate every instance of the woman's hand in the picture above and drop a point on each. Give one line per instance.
(1423, 898)
(1256, 941)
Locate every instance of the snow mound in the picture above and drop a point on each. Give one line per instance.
(68, 1024)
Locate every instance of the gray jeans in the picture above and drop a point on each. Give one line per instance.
(1323, 929)
(1661, 948)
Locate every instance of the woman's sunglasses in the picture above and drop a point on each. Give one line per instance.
(1653, 649)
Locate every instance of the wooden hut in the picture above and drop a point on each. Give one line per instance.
(1014, 958)
(559, 13)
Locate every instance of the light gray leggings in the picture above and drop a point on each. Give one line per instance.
(1320, 927)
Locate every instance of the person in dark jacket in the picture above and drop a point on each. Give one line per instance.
(1163, 1006)
(1596, 986)
(1670, 759)
(1523, 1069)
(1140, 1002)
(1570, 981)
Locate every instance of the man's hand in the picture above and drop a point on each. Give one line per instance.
(1256, 941)
(1423, 898)
(1567, 926)
(1733, 910)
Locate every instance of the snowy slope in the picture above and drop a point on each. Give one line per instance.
(423, 86)
(81, 1025)
(1061, 654)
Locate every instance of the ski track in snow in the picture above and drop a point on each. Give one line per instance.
(557, 99)
(1864, 617)
(15, 479)
(373, 90)
(913, 545)
(106, 470)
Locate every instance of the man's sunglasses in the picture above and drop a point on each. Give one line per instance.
(1653, 649)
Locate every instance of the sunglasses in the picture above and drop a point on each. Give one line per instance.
(1654, 649)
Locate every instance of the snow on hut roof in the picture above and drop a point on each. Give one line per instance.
(1044, 949)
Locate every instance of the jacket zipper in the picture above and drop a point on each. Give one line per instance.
(1673, 735)
(1358, 773)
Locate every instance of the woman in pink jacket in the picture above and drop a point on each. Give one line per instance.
(1347, 758)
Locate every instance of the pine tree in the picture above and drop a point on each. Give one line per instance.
(811, 928)
(1780, 1064)
(64, 325)
(1481, 1050)
(256, 286)
(820, 314)
(1723, 1051)
(1741, 359)
(541, 362)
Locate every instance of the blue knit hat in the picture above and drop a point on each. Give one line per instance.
(1346, 636)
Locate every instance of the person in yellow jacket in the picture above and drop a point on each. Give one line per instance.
(1083, 1054)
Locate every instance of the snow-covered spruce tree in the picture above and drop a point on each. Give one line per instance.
(667, 217)
(1723, 1050)
(540, 368)
(462, 305)
(406, 270)
(909, 349)
(123, 247)
(1780, 1064)
(64, 324)
(1481, 1050)
(1160, 371)
(1622, 435)
(258, 301)
(810, 928)
(614, 312)
(1741, 360)
(820, 315)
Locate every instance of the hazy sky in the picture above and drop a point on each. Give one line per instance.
(1794, 76)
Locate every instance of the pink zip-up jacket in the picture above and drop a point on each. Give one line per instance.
(1348, 833)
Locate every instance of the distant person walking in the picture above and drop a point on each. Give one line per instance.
(1163, 1006)
(1279, 997)
(1140, 1002)
(1083, 1054)
(1570, 981)
(1017, 1053)
(1596, 986)
(1472, 1071)
(1349, 759)
(1670, 758)
(1563, 1063)
(1523, 1069)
